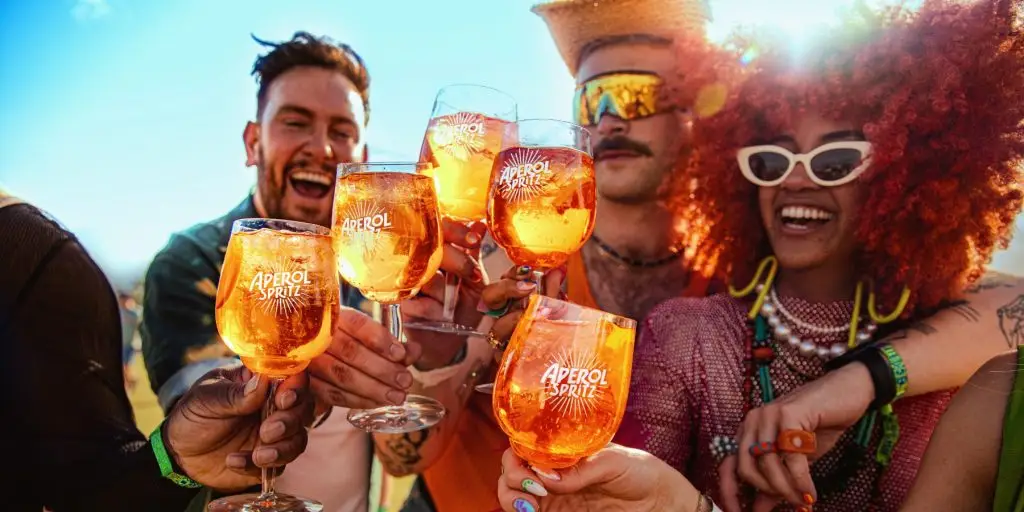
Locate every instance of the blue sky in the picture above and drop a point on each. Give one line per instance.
(123, 118)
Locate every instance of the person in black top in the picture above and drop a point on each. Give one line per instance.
(71, 439)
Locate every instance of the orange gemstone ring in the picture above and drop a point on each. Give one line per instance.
(796, 441)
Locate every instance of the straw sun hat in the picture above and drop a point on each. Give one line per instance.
(575, 23)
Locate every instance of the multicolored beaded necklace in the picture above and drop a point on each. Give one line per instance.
(761, 351)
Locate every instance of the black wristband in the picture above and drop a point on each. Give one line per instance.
(878, 367)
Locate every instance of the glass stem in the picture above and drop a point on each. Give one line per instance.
(392, 319)
(269, 474)
(537, 278)
(452, 282)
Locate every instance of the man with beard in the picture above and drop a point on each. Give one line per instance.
(312, 109)
(634, 260)
(619, 52)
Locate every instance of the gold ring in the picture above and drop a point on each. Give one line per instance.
(495, 343)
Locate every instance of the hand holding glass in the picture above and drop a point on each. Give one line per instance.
(543, 195)
(561, 388)
(387, 237)
(276, 303)
(461, 141)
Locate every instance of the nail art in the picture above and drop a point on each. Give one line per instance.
(535, 488)
(521, 505)
(808, 499)
(523, 270)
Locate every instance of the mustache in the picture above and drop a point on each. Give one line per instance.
(622, 143)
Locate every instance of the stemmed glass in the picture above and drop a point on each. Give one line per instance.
(562, 384)
(387, 238)
(277, 303)
(543, 196)
(462, 139)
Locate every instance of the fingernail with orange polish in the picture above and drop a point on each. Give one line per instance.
(808, 499)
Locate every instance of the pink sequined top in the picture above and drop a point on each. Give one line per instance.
(687, 387)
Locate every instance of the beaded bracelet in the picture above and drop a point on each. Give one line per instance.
(156, 440)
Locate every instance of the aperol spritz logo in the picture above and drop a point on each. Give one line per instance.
(363, 223)
(460, 135)
(280, 287)
(574, 383)
(524, 176)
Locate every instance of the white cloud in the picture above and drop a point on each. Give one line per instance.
(86, 10)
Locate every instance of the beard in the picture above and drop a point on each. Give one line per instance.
(273, 190)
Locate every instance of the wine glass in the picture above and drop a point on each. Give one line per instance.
(387, 238)
(562, 384)
(277, 303)
(543, 195)
(462, 139)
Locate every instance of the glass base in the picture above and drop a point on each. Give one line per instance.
(487, 389)
(444, 328)
(417, 413)
(259, 503)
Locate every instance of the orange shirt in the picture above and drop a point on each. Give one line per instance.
(465, 478)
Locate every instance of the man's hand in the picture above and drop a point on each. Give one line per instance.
(365, 367)
(461, 251)
(213, 429)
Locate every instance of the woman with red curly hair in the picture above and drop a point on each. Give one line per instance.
(857, 190)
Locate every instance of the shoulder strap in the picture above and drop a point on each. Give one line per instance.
(1009, 495)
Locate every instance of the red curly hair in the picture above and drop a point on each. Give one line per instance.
(941, 94)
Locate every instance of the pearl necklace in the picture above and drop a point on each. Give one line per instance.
(772, 306)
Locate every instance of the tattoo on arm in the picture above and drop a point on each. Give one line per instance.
(921, 327)
(991, 280)
(966, 310)
(401, 453)
(1011, 321)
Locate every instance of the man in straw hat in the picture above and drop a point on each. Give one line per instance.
(618, 50)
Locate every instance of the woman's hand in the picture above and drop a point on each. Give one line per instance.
(826, 407)
(615, 478)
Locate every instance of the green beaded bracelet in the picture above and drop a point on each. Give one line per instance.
(156, 440)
